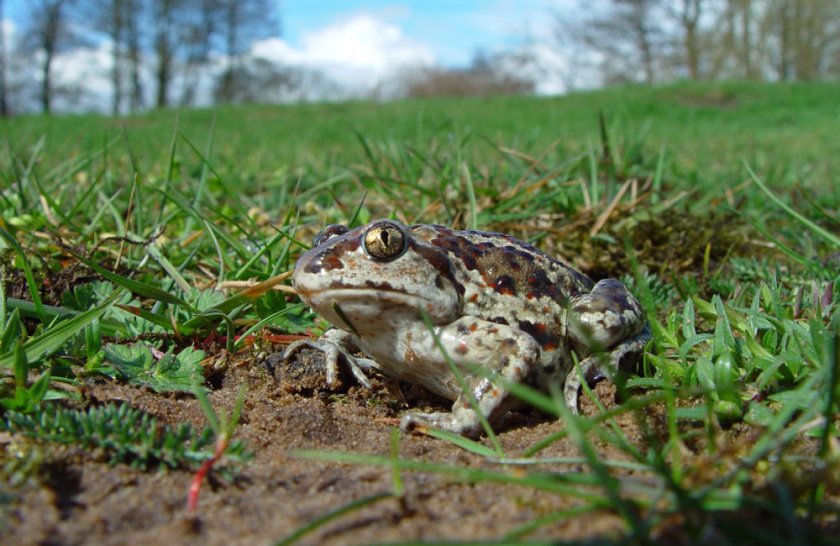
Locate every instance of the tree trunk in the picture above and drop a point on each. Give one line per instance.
(49, 39)
(231, 23)
(690, 21)
(117, 31)
(163, 50)
(164, 71)
(784, 41)
(46, 84)
(4, 103)
(133, 53)
(746, 38)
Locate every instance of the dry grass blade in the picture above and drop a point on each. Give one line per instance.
(602, 219)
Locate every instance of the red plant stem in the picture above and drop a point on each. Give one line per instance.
(195, 486)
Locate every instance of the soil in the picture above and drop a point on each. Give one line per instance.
(82, 500)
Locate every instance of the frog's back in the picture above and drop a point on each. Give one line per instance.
(508, 281)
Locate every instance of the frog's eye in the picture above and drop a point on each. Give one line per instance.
(385, 241)
(328, 233)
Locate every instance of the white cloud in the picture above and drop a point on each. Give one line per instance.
(558, 63)
(358, 52)
(9, 30)
(86, 69)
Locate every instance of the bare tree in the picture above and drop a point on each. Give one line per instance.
(642, 30)
(116, 30)
(259, 80)
(186, 31)
(803, 36)
(626, 35)
(109, 17)
(687, 14)
(487, 75)
(737, 52)
(199, 32)
(241, 23)
(4, 90)
(49, 32)
(49, 25)
(133, 52)
(164, 16)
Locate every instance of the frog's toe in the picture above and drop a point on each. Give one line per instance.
(417, 422)
(357, 367)
(294, 348)
(571, 391)
(332, 354)
(592, 369)
(414, 421)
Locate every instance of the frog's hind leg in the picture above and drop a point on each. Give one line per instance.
(509, 355)
(605, 317)
(625, 356)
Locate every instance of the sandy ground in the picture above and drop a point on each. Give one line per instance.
(80, 500)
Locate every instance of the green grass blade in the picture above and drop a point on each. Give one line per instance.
(464, 443)
(473, 223)
(237, 300)
(191, 211)
(12, 332)
(3, 309)
(320, 521)
(155, 318)
(207, 408)
(55, 337)
(267, 320)
(27, 272)
(136, 287)
(106, 206)
(829, 237)
(167, 266)
(574, 485)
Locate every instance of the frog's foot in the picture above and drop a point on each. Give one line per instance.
(597, 366)
(591, 369)
(333, 349)
(465, 423)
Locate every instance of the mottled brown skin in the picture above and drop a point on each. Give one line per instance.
(493, 300)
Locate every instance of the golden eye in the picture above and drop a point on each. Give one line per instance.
(385, 241)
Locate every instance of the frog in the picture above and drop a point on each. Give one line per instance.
(463, 313)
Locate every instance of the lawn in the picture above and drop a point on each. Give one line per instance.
(145, 300)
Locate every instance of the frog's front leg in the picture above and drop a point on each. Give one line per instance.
(609, 324)
(500, 350)
(334, 343)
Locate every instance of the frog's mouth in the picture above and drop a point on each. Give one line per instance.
(374, 302)
(374, 297)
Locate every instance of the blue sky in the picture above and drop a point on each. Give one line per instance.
(453, 30)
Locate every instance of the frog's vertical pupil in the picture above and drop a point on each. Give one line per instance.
(385, 241)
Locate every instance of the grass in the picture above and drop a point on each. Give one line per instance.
(717, 202)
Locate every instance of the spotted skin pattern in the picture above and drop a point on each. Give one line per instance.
(494, 301)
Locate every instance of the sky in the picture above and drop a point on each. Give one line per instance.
(360, 44)
(451, 30)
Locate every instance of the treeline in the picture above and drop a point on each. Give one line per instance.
(184, 52)
(653, 41)
(155, 42)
